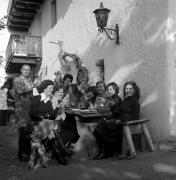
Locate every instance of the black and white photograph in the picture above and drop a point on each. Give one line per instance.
(87, 89)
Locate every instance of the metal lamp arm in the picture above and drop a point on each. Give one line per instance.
(116, 30)
(109, 29)
(105, 30)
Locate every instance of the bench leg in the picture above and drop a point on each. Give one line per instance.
(148, 138)
(129, 139)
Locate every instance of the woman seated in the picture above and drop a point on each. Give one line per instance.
(44, 136)
(68, 130)
(101, 94)
(109, 133)
(77, 99)
(97, 96)
(105, 131)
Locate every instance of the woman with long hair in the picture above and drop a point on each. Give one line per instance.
(128, 110)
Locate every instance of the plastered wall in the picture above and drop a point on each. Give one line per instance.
(146, 53)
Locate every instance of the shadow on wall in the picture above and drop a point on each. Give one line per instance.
(62, 8)
(142, 57)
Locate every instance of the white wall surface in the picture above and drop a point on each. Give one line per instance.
(4, 37)
(146, 53)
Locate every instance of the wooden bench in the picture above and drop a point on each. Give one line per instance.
(86, 124)
(137, 127)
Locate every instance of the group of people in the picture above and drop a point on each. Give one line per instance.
(46, 130)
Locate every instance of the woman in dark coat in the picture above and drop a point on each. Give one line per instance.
(105, 131)
(110, 132)
(44, 131)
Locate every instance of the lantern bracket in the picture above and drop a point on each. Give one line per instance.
(114, 32)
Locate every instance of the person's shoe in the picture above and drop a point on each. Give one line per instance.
(96, 156)
(68, 152)
(103, 156)
(122, 156)
(23, 158)
(61, 159)
(100, 156)
(37, 165)
(129, 157)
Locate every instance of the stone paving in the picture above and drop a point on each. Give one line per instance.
(159, 165)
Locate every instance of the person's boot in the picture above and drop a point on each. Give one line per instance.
(68, 152)
(23, 158)
(102, 154)
(60, 144)
(60, 158)
(129, 155)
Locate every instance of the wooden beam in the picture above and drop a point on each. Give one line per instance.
(24, 11)
(22, 15)
(20, 18)
(28, 6)
(17, 23)
(140, 121)
(23, 60)
(17, 28)
(30, 1)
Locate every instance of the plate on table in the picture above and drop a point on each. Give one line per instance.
(75, 110)
(88, 111)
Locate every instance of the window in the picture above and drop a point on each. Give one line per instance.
(53, 13)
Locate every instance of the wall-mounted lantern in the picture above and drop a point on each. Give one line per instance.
(101, 16)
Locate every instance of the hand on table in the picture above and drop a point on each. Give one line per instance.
(109, 120)
(112, 120)
(117, 121)
(92, 107)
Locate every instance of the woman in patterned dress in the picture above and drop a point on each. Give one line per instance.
(44, 128)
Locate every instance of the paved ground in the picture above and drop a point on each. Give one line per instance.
(147, 166)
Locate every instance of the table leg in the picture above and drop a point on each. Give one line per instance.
(87, 138)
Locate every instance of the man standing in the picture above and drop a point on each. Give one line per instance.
(22, 89)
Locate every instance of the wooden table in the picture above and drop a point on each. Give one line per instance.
(86, 123)
(88, 117)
